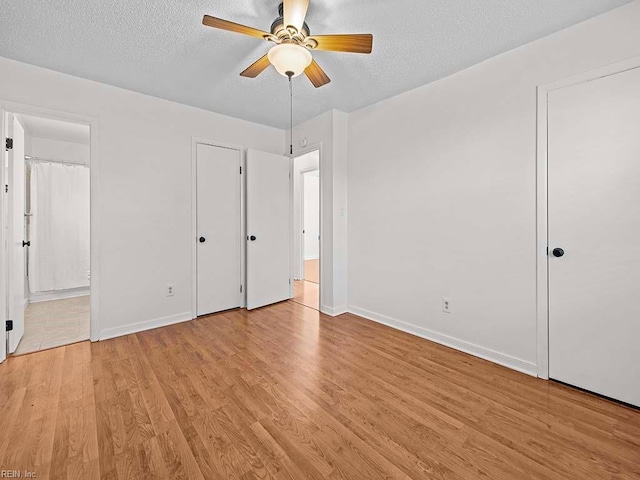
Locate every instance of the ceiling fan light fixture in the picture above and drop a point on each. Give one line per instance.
(289, 59)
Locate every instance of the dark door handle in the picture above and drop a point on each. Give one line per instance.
(252, 238)
(202, 239)
(558, 252)
(26, 244)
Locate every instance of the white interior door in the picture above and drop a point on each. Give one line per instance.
(311, 207)
(16, 233)
(219, 229)
(268, 228)
(594, 216)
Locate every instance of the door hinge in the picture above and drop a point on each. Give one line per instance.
(240, 170)
(8, 144)
(6, 189)
(289, 281)
(240, 288)
(9, 325)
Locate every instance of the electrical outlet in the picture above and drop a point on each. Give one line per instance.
(446, 305)
(169, 290)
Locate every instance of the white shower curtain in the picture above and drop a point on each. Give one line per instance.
(59, 227)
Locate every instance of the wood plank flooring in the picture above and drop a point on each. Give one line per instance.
(285, 392)
(306, 293)
(312, 270)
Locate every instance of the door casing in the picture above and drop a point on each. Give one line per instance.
(323, 281)
(7, 106)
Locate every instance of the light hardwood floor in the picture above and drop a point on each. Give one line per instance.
(312, 270)
(284, 392)
(306, 293)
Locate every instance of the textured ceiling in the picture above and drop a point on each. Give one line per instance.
(161, 48)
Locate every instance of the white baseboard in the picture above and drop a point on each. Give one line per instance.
(333, 311)
(146, 325)
(58, 294)
(452, 342)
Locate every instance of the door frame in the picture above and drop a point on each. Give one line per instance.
(301, 180)
(194, 219)
(6, 107)
(298, 153)
(542, 189)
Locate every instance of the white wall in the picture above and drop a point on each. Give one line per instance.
(311, 215)
(58, 150)
(329, 132)
(307, 161)
(144, 191)
(442, 184)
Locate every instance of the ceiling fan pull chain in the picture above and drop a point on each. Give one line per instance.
(290, 116)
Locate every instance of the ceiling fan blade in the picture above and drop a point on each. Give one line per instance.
(356, 43)
(316, 75)
(256, 68)
(214, 22)
(294, 13)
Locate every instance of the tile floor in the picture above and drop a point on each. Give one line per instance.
(55, 323)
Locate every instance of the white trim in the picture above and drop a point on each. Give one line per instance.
(3, 243)
(145, 325)
(472, 349)
(300, 273)
(57, 294)
(334, 311)
(542, 267)
(291, 233)
(93, 123)
(194, 220)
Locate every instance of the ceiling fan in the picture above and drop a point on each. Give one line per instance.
(291, 56)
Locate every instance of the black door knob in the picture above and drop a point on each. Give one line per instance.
(252, 238)
(26, 244)
(558, 252)
(202, 239)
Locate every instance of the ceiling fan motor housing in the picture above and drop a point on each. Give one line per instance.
(278, 28)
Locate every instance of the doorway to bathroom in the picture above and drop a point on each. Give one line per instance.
(47, 225)
(306, 229)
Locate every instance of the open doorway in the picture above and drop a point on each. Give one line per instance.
(47, 224)
(306, 209)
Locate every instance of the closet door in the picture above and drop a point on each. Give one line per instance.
(594, 235)
(268, 228)
(218, 228)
